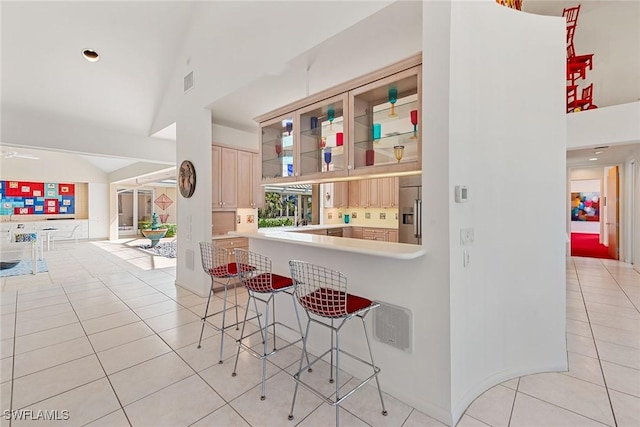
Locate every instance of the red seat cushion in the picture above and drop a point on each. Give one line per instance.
(331, 303)
(229, 270)
(267, 282)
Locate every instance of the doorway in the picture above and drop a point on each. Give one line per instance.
(134, 205)
(594, 212)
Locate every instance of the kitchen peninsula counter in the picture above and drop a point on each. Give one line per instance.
(295, 236)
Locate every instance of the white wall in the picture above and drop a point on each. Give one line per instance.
(52, 167)
(194, 213)
(237, 138)
(272, 46)
(55, 167)
(609, 30)
(616, 59)
(507, 313)
(604, 126)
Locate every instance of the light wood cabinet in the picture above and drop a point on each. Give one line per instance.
(369, 125)
(354, 194)
(386, 129)
(340, 194)
(250, 193)
(224, 170)
(389, 192)
(256, 178)
(236, 179)
(369, 193)
(356, 232)
(379, 234)
(392, 235)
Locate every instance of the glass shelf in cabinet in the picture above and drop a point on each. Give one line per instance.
(335, 152)
(402, 111)
(323, 130)
(273, 141)
(391, 139)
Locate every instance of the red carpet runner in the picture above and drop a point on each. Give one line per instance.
(587, 245)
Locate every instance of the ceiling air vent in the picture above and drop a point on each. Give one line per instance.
(188, 82)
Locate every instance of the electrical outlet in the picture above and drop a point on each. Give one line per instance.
(466, 236)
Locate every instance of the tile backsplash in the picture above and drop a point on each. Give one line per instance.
(386, 218)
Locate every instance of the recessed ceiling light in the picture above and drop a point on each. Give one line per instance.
(598, 152)
(593, 159)
(90, 55)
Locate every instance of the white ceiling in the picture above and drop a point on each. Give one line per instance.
(43, 70)
(607, 155)
(141, 48)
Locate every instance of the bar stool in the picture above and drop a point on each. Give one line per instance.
(323, 294)
(215, 262)
(263, 286)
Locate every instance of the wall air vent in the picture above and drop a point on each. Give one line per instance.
(188, 82)
(392, 325)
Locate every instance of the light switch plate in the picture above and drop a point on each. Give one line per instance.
(466, 236)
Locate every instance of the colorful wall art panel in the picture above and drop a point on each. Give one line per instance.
(36, 198)
(585, 206)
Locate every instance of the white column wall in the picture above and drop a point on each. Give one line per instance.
(194, 213)
(506, 120)
(98, 210)
(436, 197)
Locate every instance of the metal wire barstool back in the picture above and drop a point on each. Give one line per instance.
(254, 270)
(215, 261)
(319, 289)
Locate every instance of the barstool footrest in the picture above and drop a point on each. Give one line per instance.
(219, 329)
(334, 402)
(261, 356)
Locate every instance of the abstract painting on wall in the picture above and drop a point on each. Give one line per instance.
(585, 206)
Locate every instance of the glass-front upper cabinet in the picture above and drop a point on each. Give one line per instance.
(278, 148)
(323, 141)
(386, 128)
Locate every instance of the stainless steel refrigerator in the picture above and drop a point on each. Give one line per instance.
(410, 210)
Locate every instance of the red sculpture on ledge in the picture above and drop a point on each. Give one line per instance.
(577, 66)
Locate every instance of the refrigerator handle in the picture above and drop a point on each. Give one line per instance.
(417, 218)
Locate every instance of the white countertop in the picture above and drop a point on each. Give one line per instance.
(366, 247)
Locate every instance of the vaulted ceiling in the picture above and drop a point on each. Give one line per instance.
(240, 50)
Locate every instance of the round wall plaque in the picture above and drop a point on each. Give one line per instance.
(187, 179)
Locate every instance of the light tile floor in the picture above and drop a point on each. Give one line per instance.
(106, 335)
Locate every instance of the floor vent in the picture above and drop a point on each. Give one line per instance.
(188, 82)
(189, 259)
(392, 325)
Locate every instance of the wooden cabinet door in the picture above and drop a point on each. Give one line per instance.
(395, 191)
(228, 178)
(243, 181)
(392, 236)
(256, 178)
(354, 194)
(340, 194)
(356, 232)
(216, 154)
(373, 186)
(388, 192)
